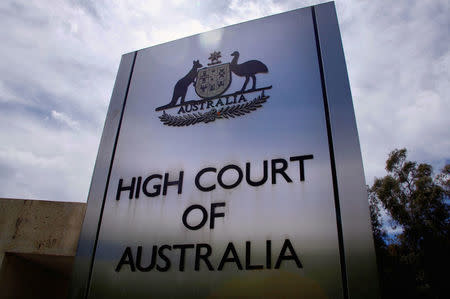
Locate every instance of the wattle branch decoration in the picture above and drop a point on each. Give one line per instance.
(213, 114)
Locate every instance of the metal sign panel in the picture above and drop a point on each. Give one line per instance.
(223, 177)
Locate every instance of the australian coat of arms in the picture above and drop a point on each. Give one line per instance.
(211, 84)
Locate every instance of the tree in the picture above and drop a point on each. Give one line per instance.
(411, 263)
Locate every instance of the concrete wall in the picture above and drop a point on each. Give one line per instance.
(38, 241)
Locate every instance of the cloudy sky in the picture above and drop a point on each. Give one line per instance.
(59, 60)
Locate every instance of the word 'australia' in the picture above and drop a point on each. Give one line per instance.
(164, 257)
(214, 103)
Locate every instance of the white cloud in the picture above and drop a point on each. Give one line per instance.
(242, 10)
(397, 61)
(39, 160)
(65, 119)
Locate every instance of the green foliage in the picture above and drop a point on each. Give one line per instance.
(411, 265)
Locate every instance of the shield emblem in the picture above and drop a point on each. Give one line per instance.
(213, 81)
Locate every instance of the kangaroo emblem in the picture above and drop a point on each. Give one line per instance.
(182, 85)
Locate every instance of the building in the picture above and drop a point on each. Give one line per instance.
(38, 242)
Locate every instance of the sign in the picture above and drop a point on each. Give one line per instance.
(230, 167)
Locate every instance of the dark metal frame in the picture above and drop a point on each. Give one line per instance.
(87, 244)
